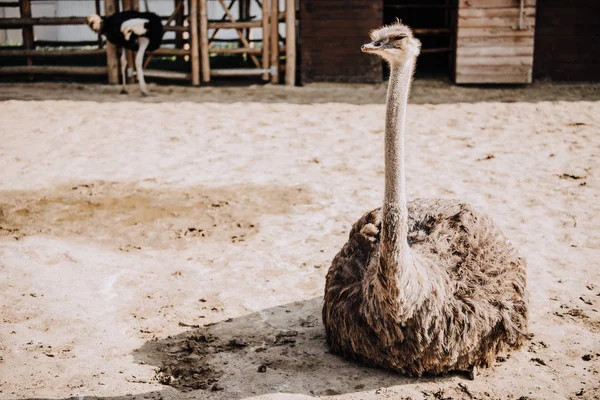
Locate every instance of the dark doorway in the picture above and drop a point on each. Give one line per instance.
(567, 40)
(434, 24)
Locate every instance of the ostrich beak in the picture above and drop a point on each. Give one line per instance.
(371, 47)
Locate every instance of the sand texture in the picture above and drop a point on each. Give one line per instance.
(176, 247)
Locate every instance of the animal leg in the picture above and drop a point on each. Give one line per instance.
(473, 372)
(139, 60)
(124, 70)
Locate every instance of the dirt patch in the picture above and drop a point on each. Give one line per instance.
(137, 216)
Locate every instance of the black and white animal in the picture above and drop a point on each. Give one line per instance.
(131, 30)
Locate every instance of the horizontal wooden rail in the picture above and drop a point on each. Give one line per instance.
(52, 70)
(50, 53)
(166, 51)
(20, 22)
(65, 43)
(238, 72)
(9, 4)
(235, 25)
(236, 50)
(155, 73)
(176, 28)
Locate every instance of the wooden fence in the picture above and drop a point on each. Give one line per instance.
(192, 41)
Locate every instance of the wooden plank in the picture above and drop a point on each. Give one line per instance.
(491, 70)
(493, 3)
(236, 50)
(494, 12)
(29, 22)
(112, 62)
(179, 29)
(204, 56)
(53, 70)
(166, 51)
(274, 24)
(290, 42)
(28, 36)
(238, 72)
(495, 51)
(491, 32)
(49, 53)
(495, 22)
(235, 25)
(495, 41)
(179, 18)
(266, 36)
(64, 43)
(194, 42)
(491, 61)
(154, 73)
(510, 78)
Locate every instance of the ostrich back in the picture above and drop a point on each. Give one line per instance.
(476, 309)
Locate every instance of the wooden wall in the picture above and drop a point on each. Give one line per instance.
(331, 33)
(567, 40)
(489, 46)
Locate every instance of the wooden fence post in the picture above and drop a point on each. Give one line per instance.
(194, 45)
(112, 61)
(204, 56)
(266, 33)
(28, 38)
(179, 17)
(274, 41)
(290, 42)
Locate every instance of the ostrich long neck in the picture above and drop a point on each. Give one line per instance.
(396, 262)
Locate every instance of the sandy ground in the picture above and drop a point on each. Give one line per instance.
(184, 239)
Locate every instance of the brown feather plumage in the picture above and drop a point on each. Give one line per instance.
(477, 309)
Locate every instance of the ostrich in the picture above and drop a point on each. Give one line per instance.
(424, 287)
(132, 30)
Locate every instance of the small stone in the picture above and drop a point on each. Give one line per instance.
(262, 368)
(538, 361)
(586, 300)
(587, 357)
(217, 387)
(239, 343)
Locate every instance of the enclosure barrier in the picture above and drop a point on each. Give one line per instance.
(196, 24)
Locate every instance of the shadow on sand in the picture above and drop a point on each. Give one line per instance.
(280, 349)
(276, 350)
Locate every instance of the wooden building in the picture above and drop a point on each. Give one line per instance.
(470, 41)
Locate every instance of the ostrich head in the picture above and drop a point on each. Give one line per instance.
(394, 43)
(94, 21)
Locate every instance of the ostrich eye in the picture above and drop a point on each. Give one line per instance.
(399, 37)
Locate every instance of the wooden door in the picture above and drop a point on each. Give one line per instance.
(494, 41)
(567, 40)
(331, 33)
